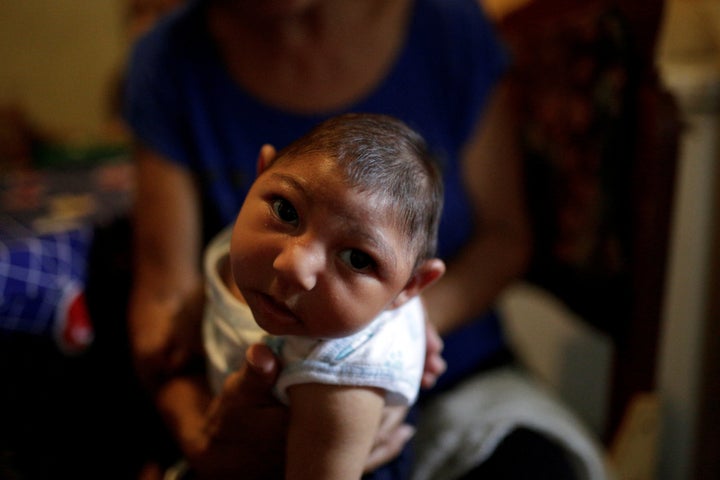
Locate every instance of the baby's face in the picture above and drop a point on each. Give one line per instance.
(313, 257)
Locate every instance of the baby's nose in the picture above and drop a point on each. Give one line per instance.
(301, 262)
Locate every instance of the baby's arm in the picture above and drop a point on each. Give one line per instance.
(331, 430)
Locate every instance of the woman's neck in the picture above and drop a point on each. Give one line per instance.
(318, 58)
(288, 23)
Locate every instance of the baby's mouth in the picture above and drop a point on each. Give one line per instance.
(276, 311)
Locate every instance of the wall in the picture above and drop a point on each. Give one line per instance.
(689, 59)
(58, 60)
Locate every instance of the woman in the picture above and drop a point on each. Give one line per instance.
(217, 79)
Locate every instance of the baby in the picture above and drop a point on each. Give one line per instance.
(325, 263)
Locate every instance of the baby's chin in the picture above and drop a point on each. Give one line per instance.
(279, 330)
(274, 317)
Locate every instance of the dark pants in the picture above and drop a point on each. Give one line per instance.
(525, 455)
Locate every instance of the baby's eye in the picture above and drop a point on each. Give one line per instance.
(357, 259)
(285, 211)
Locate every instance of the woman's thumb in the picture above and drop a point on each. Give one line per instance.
(253, 383)
(262, 363)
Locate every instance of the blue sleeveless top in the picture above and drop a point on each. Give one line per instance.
(181, 102)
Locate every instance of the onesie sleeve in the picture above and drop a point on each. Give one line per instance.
(388, 354)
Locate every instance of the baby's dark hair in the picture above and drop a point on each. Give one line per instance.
(385, 157)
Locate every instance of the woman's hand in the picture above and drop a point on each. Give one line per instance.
(394, 433)
(245, 425)
(434, 363)
(391, 437)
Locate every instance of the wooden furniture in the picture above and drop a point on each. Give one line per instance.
(600, 136)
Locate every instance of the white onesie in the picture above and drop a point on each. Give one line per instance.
(389, 353)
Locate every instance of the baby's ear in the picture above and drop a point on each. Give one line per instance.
(265, 157)
(427, 273)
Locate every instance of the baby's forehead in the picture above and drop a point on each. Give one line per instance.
(372, 188)
(337, 170)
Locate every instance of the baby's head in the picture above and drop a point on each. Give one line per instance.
(338, 226)
(383, 157)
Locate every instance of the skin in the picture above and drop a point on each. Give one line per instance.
(314, 258)
(306, 61)
(309, 56)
